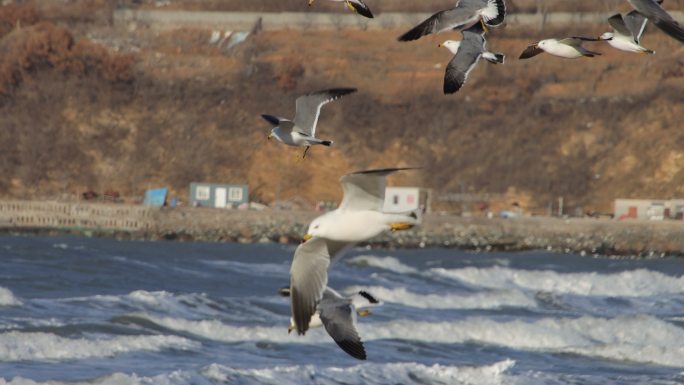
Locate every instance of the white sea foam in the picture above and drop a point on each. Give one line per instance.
(18, 346)
(394, 373)
(483, 300)
(177, 377)
(386, 263)
(633, 283)
(161, 301)
(641, 339)
(7, 298)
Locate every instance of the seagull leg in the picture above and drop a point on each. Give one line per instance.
(305, 151)
(484, 25)
(349, 5)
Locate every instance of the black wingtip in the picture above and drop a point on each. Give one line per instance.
(327, 143)
(353, 348)
(451, 87)
(271, 119)
(362, 10)
(499, 19)
(368, 296)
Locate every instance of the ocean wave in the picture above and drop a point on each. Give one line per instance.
(633, 283)
(18, 346)
(7, 298)
(484, 300)
(642, 339)
(394, 373)
(386, 263)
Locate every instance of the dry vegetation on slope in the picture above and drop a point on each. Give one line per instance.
(175, 110)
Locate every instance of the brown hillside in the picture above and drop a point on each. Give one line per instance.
(168, 108)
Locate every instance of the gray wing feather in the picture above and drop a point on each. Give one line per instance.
(618, 23)
(636, 23)
(308, 279)
(339, 319)
(365, 190)
(308, 108)
(440, 21)
(466, 58)
(658, 16)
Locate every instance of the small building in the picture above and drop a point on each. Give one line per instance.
(652, 209)
(218, 195)
(403, 199)
(155, 197)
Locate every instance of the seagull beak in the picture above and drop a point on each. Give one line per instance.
(306, 237)
(439, 45)
(310, 2)
(290, 329)
(269, 137)
(363, 313)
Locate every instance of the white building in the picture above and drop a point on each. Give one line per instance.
(403, 199)
(652, 209)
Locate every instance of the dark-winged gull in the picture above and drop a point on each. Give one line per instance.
(338, 315)
(301, 131)
(652, 10)
(357, 6)
(359, 217)
(467, 54)
(627, 31)
(569, 48)
(463, 15)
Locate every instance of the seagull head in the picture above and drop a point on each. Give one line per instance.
(317, 228)
(274, 133)
(451, 45)
(607, 36)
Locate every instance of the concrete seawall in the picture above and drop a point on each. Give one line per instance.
(587, 236)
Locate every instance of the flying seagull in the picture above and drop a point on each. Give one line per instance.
(359, 217)
(569, 48)
(338, 315)
(652, 10)
(302, 130)
(467, 54)
(357, 6)
(463, 15)
(627, 31)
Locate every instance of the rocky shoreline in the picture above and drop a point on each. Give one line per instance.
(637, 239)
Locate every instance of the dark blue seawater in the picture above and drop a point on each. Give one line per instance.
(99, 311)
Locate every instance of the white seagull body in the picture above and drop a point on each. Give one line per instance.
(569, 48)
(627, 31)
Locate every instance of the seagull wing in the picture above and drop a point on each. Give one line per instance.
(361, 8)
(308, 278)
(658, 16)
(440, 21)
(468, 55)
(636, 23)
(365, 190)
(531, 51)
(339, 319)
(308, 108)
(618, 23)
